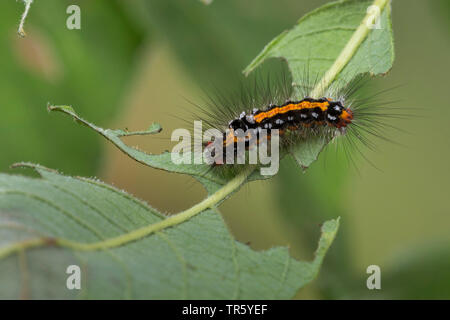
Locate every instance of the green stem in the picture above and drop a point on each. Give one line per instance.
(134, 235)
(22, 245)
(349, 50)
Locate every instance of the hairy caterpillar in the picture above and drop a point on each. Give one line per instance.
(295, 116)
(268, 105)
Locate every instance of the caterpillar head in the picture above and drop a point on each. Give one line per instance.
(338, 115)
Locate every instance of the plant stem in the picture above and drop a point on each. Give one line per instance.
(137, 234)
(21, 245)
(171, 221)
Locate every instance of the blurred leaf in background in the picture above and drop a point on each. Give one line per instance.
(88, 67)
(442, 12)
(419, 273)
(216, 42)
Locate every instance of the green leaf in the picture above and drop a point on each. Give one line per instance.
(45, 224)
(212, 182)
(332, 43)
(308, 151)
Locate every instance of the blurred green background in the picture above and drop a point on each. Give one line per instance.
(136, 61)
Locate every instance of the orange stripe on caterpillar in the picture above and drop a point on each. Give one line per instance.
(290, 107)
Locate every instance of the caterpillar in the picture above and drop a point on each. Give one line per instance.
(340, 112)
(306, 114)
(261, 111)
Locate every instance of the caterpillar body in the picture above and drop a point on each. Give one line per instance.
(269, 107)
(308, 113)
